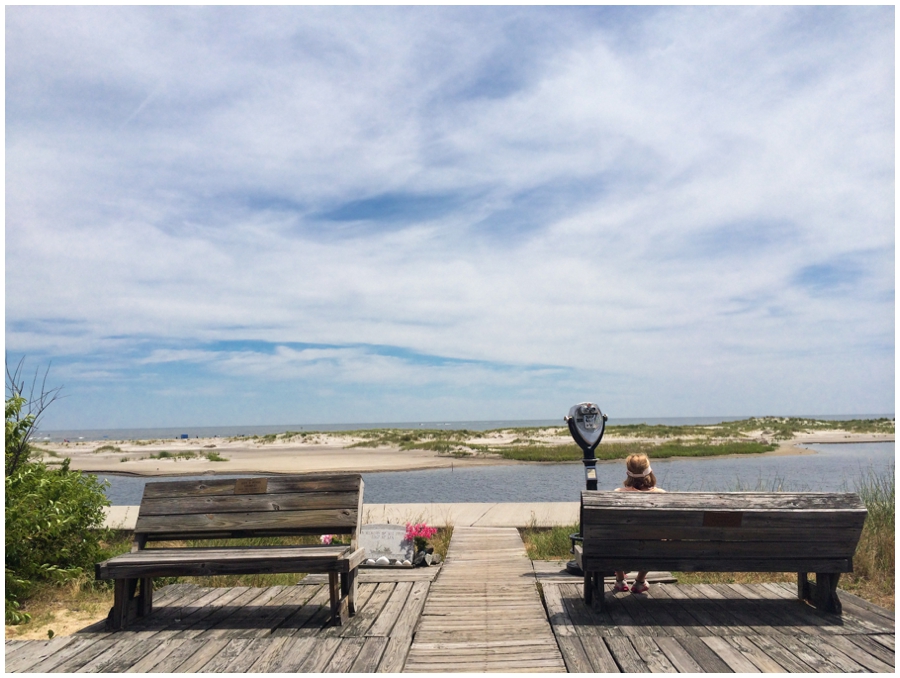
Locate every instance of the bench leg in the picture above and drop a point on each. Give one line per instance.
(145, 599)
(826, 597)
(588, 589)
(348, 589)
(822, 593)
(123, 604)
(339, 605)
(803, 585)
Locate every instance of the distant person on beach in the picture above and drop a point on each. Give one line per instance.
(639, 478)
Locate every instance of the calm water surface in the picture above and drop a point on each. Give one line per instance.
(832, 468)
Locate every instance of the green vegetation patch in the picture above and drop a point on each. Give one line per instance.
(107, 448)
(165, 454)
(778, 428)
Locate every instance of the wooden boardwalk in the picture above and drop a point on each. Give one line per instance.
(254, 630)
(719, 628)
(481, 613)
(484, 613)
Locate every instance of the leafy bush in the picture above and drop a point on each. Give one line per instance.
(54, 522)
(54, 517)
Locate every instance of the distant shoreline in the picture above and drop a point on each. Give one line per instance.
(174, 432)
(343, 452)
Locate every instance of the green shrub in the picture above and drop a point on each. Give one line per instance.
(54, 522)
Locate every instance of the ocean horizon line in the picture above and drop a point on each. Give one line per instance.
(145, 433)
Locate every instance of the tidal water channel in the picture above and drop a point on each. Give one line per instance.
(832, 468)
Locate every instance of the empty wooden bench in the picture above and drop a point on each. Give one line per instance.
(722, 532)
(313, 504)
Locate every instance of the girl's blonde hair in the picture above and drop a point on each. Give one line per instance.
(638, 463)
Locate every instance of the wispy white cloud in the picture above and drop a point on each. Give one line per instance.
(697, 200)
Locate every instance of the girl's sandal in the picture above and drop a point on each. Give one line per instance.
(620, 586)
(639, 587)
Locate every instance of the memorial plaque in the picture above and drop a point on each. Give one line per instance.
(386, 541)
(251, 485)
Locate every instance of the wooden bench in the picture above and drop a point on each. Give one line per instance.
(313, 504)
(722, 532)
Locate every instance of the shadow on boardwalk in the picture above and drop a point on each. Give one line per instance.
(718, 628)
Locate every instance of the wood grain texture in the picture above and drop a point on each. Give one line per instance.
(483, 613)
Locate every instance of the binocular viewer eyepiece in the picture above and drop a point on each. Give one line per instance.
(586, 424)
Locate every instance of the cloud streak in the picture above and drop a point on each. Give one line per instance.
(672, 211)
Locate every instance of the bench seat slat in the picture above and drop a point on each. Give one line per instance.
(170, 506)
(213, 561)
(323, 521)
(276, 485)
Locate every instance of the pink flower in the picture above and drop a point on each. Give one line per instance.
(326, 538)
(420, 530)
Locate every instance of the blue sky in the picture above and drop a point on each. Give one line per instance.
(227, 215)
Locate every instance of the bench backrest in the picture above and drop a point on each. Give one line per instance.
(721, 531)
(306, 504)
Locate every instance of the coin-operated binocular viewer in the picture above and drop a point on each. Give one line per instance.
(586, 424)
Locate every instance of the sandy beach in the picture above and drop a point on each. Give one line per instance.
(320, 453)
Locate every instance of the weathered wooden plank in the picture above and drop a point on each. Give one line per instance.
(673, 605)
(703, 655)
(625, 655)
(861, 655)
(709, 501)
(789, 532)
(770, 645)
(391, 611)
(204, 652)
(35, 653)
(157, 654)
(246, 615)
(394, 656)
(124, 653)
(226, 656)
(294, 653)
(638, 607)
(344, 656)
(875, 649)
(207, 562)
(677, 655)
(888, 641)
(339, 482)
(612, 562)
(173, 507)
(369, 656)
(598, 654)
(760, 659)
(716, 550)
(731, 655)
(556, 611)
(823, 647)
(314, 521)
(411, 601)
(89, 649)
(574, 656)
(652, 655)
(257, 657)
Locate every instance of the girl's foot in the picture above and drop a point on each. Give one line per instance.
(639, 587)
(620, 585)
